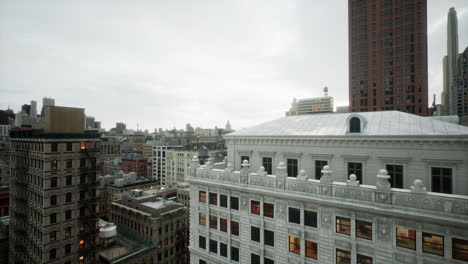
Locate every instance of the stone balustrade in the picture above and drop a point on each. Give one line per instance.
(416, 198)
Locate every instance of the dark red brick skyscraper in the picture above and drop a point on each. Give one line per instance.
(388, 55)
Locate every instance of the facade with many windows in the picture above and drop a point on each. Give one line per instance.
(406, 145)
(248, 216)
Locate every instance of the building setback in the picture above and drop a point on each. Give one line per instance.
(388, 56)
(53, 190)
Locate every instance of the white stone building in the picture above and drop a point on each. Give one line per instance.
(159, 162)
(406, 145)
(251, 217)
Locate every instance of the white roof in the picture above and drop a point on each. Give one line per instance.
(381, 123)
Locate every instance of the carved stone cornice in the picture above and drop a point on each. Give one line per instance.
(395, 160)
(267, 153)
(295, 155)
(321, 156)
(245, 152)
(355, 157)
(440, 162)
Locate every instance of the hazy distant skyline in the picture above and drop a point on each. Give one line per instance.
(165, 63)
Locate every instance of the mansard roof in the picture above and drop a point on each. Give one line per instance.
(379, 123)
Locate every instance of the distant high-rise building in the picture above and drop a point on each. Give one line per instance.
(53, 190)
(33, 112)
(311, 105)
(449, 95)
(90, 122)
(120, 127)
(46, 102)
(388, 56)
(462, 84)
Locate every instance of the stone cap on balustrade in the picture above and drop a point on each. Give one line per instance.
(382, 195)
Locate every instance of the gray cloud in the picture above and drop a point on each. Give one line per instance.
(165, 63)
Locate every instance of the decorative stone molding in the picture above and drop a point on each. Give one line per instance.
(354, 157)
(437, 162)
(267, 154)
(320, 156)
(291, 155)
(381, 195)
(395, 160)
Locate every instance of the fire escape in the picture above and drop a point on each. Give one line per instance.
(20, 210)
(88, 218)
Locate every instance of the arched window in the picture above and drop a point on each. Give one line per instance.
(355, 125)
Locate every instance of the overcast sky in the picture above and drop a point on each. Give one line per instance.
(164, 63)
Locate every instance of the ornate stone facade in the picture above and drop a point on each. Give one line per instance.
(382, 208)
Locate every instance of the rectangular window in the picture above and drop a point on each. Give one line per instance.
(267, 163)
(254, 258)
(295, 245)
(69, 164)
(53, 165)
(364, 229)
(255, 233)
(202, 197)
(202, 219)
(460, 249)
(223, 200)
(201, 242)
(234, 203)
(82, 162)
(53, 182)
(268, 210)
(223, 249)
(343, 257)
(235, 254)
(441, 180)
(268, 261)
(343, 225)
(234, 228)
(54, 147)
(213, 246)
(201, 261)
(310, 218)
(292, 167)
(396, 175)
(294, 215)
(213, 198)
(53, 236)
(68, 231)
(269, 237)
(223, 224)
(318, 168)
(213, 222)
(361, 259)
(69, 180)
(69, 146)
(311, 249)
(406, 238)
(356, 169)
(255, 207)
(433, 244)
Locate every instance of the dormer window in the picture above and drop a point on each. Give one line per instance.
(355, 125)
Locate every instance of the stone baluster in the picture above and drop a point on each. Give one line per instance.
(326, 181)
(418, 187)
(383, 191)
(262, 171)
(302, 176)
(281, 176)
(244, 173)
(352, 181)
(194, 164)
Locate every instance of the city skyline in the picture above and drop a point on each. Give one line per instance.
(166, 64)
